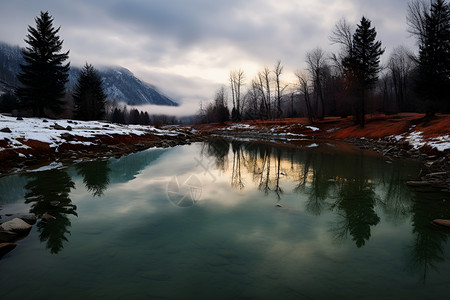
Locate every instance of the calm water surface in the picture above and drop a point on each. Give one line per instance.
(224, 220)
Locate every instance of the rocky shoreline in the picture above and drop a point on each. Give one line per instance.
(38, 155)
(436, 164)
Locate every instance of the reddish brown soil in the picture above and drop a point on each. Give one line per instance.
(377, 126)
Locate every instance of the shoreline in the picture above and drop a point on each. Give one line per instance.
(393, 141)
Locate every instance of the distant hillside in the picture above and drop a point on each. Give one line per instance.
(119, 83)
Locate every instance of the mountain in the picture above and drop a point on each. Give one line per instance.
(119, 83)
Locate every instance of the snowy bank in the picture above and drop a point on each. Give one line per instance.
(55, 132)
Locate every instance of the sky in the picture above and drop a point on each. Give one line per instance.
(187, 48)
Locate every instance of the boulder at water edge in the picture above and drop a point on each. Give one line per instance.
(16, 225)
(13, 229)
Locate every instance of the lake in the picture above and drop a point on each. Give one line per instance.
(228, 220)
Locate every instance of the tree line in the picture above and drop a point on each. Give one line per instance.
(352, 81)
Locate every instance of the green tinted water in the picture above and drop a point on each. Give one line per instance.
(228, 221)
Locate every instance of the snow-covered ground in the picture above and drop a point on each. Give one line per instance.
(417, 140)
(44, 130)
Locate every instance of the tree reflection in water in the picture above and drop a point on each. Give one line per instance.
(48, 192)
(95, 176)
(349, 185)
(427, 248)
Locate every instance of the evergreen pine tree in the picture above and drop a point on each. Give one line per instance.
(43, 76)
(433, 84)
(363, 65)
(89, 96)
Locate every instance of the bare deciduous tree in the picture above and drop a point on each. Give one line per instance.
(316, 60)
(263, 83)
(304, 89)
(400, 65)
(415, 18)
(341, 35)
(237, 79)
(278, 71)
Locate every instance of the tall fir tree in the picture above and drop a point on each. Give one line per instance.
(89, 97)
(43, 75)
(362, 65)
(433, 82)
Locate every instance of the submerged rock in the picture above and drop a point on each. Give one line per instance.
(30, 219)
(442, 222)
(5, 248)
(48, 217)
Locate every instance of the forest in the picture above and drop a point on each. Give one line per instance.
(351, 82)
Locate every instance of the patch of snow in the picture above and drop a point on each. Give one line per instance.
(312, 128)
(398, 137)
(415, 139)
(441, 143)
(312, 145)
(52, 166)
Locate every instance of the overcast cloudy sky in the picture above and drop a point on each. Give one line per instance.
(187, 48)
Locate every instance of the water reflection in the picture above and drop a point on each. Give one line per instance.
(355, 210)
(426, 250)
(95, 176)
(325, 194)
(353, 188)
(48, 194)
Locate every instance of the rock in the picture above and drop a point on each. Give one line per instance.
(44, 121)
(19, 119)
(278, 205)
(69, 128)
(16, 225)
(6, 130)
(48, 217)
(66, 136)
(58, 127)
(5, 248)
(442, 222)
(30, 219)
